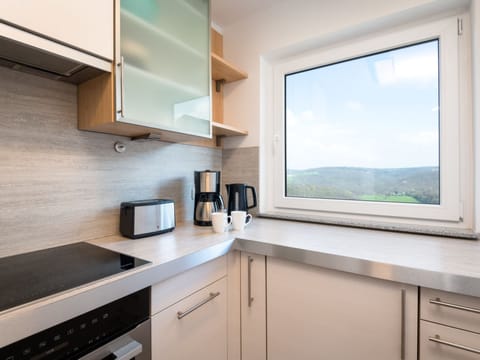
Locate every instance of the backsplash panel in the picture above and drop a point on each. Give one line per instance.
(241, 166)
(60, 185)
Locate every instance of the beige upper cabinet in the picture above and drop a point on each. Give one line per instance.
(315, 313)
(160, 84)
(85, 25)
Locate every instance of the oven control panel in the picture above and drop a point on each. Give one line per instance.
(85, 333)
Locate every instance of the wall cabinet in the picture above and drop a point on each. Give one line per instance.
(56, 38)
(316, 313)
(449, 326)
(160, 83)
(86, 25)
(190, 310)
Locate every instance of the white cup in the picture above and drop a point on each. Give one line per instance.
(220, 221)
(239, 219)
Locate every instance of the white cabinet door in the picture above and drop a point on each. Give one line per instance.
(253, 303)
(85, 24)
(314, 313)
(200, 333)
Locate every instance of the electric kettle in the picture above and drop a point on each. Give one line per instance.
(237, 197)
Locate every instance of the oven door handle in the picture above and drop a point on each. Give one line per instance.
(127, 352)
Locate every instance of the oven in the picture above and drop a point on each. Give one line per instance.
(118, 330)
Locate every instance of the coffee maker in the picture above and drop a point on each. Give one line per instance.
(207, 196)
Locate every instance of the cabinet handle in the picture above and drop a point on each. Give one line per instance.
(437, 301)
(437, 339)
(402, 324)
(121, 65)
(182, 314)
(250, 297)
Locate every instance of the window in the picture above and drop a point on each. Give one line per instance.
(369, 129)
(366, 129)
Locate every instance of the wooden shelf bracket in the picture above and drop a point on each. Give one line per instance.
(218, 85)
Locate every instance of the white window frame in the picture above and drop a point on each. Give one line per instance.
(450, 208)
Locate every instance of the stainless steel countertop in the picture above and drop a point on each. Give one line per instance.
(436, 262)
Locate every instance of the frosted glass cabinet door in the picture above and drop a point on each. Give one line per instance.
(165, 46)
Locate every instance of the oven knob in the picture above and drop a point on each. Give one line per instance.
(70, 331)
(26, 351)
(57, 337)
(42, 344)
(10, 357)
(83, 326)
(94, 321)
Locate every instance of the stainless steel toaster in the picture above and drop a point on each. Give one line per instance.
(146, 217)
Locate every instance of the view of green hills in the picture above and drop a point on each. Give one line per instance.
(405, 185)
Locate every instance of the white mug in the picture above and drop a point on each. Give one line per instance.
(239, 219)
(220, 221)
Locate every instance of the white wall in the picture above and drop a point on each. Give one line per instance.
(297, 22)
(475, 13)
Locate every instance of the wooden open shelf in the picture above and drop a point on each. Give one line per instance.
(223, 70)
(220, 129)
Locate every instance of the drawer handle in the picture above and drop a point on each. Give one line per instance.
(437, 301)
(182, 314)
(250, 297)
(437, 339)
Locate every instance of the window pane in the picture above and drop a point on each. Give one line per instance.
(366, 129)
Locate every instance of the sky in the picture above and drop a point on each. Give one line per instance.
(380, 111)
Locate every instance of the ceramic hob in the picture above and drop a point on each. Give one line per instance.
(31, 276)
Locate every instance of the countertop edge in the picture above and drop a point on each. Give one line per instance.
(456, 283)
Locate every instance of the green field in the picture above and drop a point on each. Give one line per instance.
(389, 198)
(401, 185)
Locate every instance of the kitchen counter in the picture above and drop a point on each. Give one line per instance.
(442, 263)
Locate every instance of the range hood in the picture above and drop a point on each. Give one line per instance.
(26, 58)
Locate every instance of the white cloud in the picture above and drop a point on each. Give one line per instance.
(420, 138)
(354, 105)
(406, 68)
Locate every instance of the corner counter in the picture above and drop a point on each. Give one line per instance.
(440, 263)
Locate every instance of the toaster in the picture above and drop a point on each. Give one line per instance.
(143, 218)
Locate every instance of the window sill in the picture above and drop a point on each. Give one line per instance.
(383, 226)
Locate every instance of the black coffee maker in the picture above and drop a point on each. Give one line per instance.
(207, 196)
(238, 199)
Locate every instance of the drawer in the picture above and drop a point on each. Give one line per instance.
(180, 286)
(450, 343)
(450, 309)
(201, 333)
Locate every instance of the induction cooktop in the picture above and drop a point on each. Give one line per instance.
(31, 276)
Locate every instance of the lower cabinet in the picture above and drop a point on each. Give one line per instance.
(315, 313)
(439, 342)
(194, 328)
(189, 314)
(253, 306)
(449, 326)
